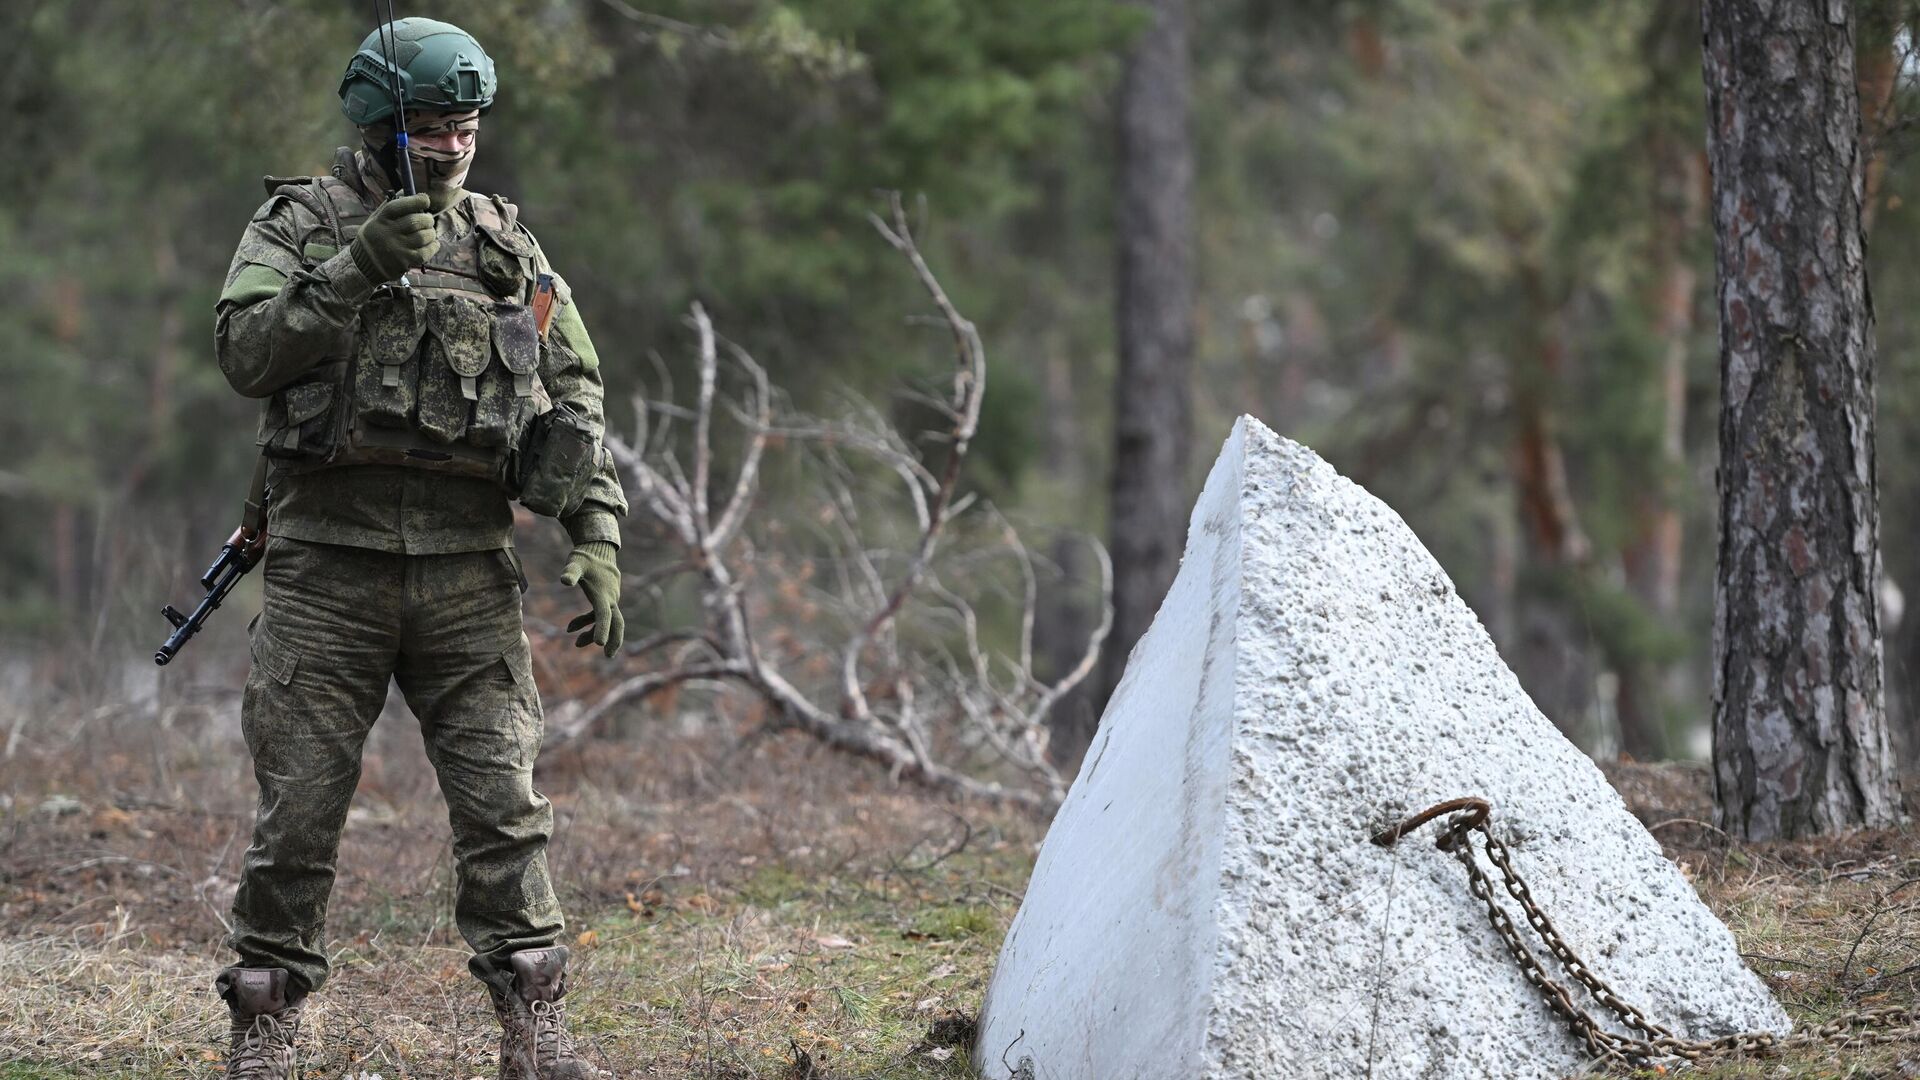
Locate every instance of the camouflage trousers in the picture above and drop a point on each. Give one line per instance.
(338, 624)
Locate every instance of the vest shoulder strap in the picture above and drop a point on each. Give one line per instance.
(275, 183)
(328, 198)
(346, 210)
(305, 190)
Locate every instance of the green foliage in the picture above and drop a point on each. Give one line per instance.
(1415, 218)
(726, 150)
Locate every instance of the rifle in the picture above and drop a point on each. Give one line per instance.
(239, 554)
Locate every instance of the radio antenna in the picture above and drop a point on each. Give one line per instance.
(403, 163)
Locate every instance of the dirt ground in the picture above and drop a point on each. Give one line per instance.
(768, 911)
(1831, 926)
(771, 912)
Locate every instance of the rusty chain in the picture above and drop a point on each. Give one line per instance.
(1654, 1042)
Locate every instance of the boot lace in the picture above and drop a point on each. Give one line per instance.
(266, 1050)
(552, 1045)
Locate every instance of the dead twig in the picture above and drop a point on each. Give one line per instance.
(898, 696)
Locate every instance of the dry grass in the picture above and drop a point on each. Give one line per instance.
(771, 913)
(782, 915)
(1832, 927)
(742, 984)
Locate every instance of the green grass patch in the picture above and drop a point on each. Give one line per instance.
(952, 923)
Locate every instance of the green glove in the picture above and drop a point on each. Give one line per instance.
(401, 233)
(592, 567)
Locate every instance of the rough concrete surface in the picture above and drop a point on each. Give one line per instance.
(1207, 904)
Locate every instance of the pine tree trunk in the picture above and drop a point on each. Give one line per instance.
(1152, 424)
(1800, 734)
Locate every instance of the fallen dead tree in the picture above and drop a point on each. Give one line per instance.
(873, 648)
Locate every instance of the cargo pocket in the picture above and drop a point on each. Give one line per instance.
(458, 352)
(275, 720)
(384, 381)
(272, 657)
(529, 725)
(297, 422)
(506, 261)
(519, 664)
(506, 400)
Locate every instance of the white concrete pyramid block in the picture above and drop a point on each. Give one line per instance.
(1207, 904)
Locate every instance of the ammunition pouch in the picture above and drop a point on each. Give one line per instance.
(459, 351)
(297, 423)
(506, 260)
(505, 403)
(553, 467)
(386, 371)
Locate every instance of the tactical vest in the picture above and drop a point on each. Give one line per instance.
(443, 373)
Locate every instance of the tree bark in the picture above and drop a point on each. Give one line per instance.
(1154, 322)
(1799, 730)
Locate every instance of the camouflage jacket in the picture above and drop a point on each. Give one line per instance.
(293, 299)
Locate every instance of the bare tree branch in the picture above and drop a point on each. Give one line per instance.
(969, 385)
(912, 684)
(703, 419)
(747, 482)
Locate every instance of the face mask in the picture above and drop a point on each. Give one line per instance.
(433, 170)
(440, 169)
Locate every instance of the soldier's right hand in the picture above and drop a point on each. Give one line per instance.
(400, 234)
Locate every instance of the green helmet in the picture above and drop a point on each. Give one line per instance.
(441, 67)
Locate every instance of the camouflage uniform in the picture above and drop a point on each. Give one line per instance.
(392, 568)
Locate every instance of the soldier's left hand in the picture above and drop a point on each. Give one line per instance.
(592, 567)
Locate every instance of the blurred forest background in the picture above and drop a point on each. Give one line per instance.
(1461, 249)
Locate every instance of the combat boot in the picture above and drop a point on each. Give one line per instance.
(265, 1021)
(534, 1043)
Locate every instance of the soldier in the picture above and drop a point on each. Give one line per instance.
(421, 366)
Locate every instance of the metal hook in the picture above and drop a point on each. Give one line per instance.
(1476, 812)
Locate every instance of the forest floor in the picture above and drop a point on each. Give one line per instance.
(779, 914)
(785, 914)
(1832, 927)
